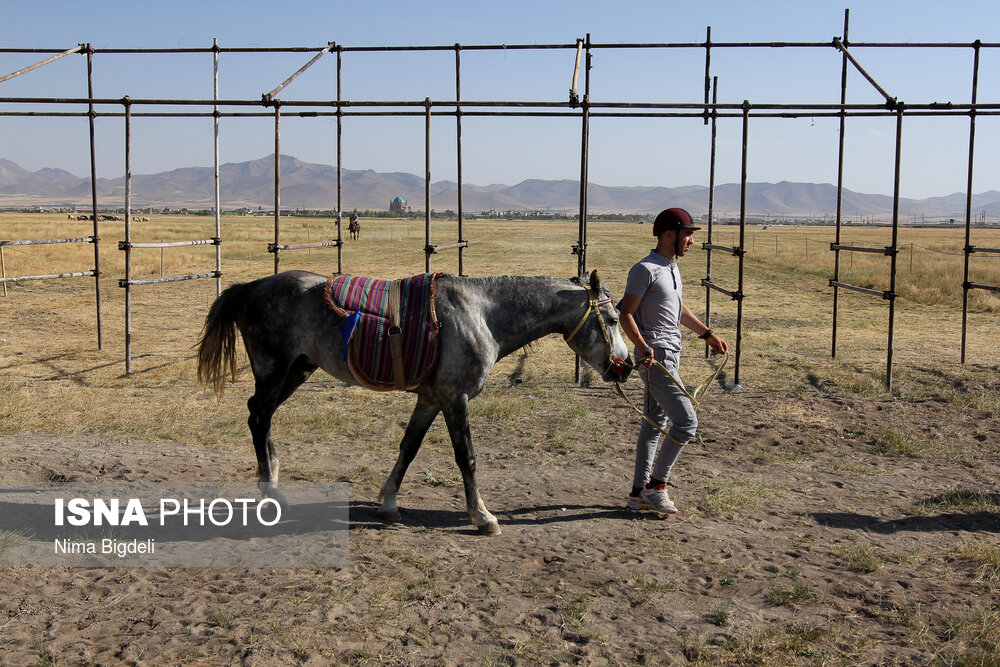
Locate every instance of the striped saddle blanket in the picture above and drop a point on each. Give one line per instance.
(390, 329)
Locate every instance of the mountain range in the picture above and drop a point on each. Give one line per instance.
(314, 186)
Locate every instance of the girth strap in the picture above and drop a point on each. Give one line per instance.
(395, 335)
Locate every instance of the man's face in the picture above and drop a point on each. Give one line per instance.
(685, 242)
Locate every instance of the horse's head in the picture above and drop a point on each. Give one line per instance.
(597, 338)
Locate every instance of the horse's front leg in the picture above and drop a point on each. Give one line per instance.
(421, 419)
(457, 417)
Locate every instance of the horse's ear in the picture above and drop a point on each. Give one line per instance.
(595, 282)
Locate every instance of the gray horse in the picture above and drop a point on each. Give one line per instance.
(289, 331)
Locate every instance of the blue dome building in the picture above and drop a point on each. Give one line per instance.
(399, 205)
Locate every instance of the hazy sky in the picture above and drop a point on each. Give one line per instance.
(631, 152)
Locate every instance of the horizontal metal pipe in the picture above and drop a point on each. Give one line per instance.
(509, 114)
(271, 247)
(18, 279)
(510, 47)
(154, 281)
(736, 296)
(863, 290)
(85, 239)
(992, 288)
(122, 245)
(887, 250)
(712, 246)
(450, 246)
(697, 106)
(973, 248)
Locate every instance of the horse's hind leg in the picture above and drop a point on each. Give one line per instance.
(457, 417)
(421, 419)
(272, 389)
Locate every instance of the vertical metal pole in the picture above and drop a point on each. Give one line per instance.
(581, 245)
(92, 115)
(458, 145)
(708, 69)
(584, 167)
(340, 162)
(427, 185)
(894, 250)
(277, 184)
(840, 186)
(968, 199)
(128, 235)
(3, 271)
(743, 222)
(218, 196)
(711, 209)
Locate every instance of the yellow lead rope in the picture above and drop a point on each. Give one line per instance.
(698, 392)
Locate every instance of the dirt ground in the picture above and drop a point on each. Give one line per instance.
(815, 528)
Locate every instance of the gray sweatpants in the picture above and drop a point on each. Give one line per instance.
(664, 402)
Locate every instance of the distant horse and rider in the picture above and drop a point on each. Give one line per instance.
(295, 322)
(354, 226)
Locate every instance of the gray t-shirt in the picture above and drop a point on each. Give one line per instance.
(656, 280)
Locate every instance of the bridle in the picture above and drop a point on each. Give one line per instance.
(616, 365)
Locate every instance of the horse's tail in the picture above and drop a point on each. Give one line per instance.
(217, 349)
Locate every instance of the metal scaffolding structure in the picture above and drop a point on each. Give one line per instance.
(709, 110)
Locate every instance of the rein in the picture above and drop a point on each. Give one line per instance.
(698, 392)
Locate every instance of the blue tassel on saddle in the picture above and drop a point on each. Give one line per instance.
(347, 330)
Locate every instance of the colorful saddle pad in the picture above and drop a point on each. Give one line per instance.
(366, 301)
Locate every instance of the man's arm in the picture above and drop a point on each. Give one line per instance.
(630, 302)
(691, 321)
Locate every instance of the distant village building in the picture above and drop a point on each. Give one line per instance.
(399, 205)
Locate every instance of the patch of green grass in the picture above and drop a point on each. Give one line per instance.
(719, 613)
(777, 644)
(222, 618)
(863, 558)
(897, 441)
(973, 638)
(984, 552)
(10, 539)
(431, 479)
(847, 462)
(865, 386)
(799, 592)
(978, 400)
(721, 499)
(573, 611)
(639, 582)
(962, 498)
(770, 457)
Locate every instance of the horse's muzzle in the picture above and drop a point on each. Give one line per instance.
(619, 369)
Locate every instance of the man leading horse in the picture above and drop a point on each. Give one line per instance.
(651, 314)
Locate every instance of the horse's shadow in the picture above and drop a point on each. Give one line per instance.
(365, 515)
(987, 522)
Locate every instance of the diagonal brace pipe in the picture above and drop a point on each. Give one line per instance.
(889, 99)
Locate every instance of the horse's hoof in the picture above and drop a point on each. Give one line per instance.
(278, 497)
(492, 528)
(390, 516)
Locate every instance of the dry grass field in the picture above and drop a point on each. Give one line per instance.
(822, 519)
